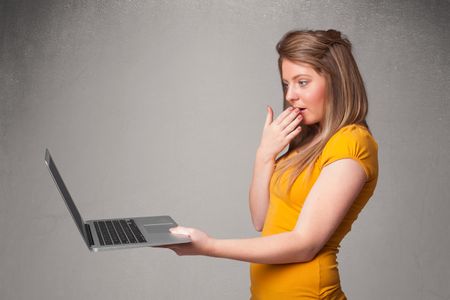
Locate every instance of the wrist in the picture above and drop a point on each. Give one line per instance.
(212, 247)
(264, 157)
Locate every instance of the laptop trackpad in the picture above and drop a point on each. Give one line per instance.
(164, 227)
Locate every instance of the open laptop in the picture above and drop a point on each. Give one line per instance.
(123, 233)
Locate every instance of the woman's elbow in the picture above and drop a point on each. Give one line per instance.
(258, 227)
(309, 254)
(258, 223)
(307, 250)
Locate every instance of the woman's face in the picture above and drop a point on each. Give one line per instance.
(306, 89)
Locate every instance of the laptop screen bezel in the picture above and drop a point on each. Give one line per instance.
(78, 219)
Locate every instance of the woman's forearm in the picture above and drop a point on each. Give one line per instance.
(259, 189)
(287, 247)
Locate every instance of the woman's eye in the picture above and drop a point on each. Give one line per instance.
(285, 86)
(303, 82)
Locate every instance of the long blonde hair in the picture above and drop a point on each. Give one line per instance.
(329, 54)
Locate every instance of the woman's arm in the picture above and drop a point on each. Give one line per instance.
(276, 136)
(330, 198)
(259, 189)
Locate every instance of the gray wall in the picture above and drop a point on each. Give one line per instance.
(155, 107)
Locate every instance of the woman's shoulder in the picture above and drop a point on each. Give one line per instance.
(354, 134)
(352, 141)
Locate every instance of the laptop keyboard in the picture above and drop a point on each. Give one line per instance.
(118, 232)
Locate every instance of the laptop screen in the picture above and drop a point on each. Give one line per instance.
(66, 196)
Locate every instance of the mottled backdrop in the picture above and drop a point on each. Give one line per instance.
(155, 107)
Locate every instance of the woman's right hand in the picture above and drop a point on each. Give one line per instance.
(278, 133)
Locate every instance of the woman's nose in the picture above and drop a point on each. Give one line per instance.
(291, 94)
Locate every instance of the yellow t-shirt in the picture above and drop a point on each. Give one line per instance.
(318, 278)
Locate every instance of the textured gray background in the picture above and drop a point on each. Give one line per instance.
(155, 107)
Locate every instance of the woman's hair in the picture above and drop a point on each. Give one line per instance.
(330, 55)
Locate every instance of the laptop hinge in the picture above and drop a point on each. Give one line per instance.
(89, 234)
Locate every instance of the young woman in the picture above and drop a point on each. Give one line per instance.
(305, 201)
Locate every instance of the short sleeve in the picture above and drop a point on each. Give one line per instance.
(354, 142)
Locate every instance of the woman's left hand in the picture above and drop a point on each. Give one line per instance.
(201, 243)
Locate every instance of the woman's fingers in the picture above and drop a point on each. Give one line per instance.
(269, 117)
(275, 134)
(289, 118)
(181, 230)
(284, 115)
(293, 124)
(294, 133)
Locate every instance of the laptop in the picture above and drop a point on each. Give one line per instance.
(118, 233)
